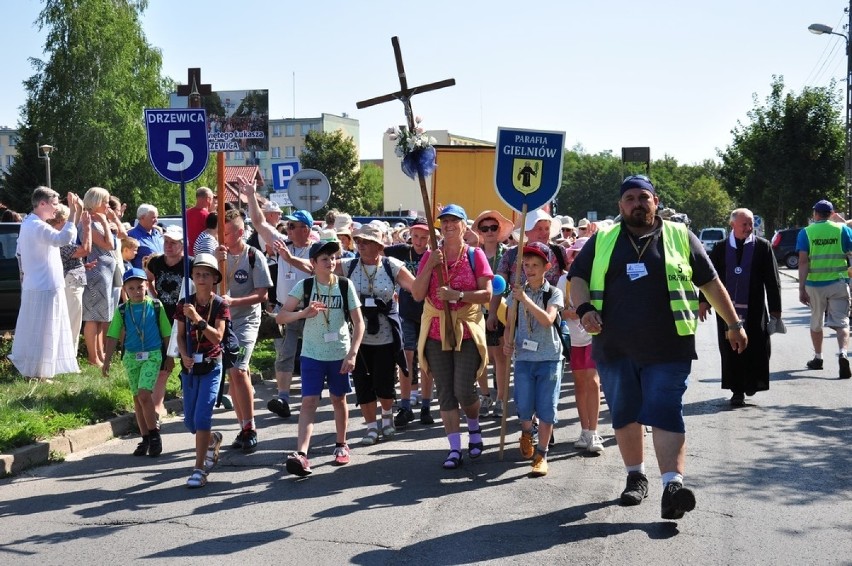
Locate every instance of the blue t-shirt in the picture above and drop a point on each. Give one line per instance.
(314, 344)
(148, 243)
(804, 245)
(144, 331)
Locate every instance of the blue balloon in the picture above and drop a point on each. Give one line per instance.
(498, 284)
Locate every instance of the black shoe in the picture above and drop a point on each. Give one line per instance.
(677, 500)
(845, 372)
(636, 489)
(279, 407)
(142, 447)
(155, 445)
(249, 440)
(403, 417)
(238, 441)
(737, 400)
(426, 416)
(815, 364)
(552, 441)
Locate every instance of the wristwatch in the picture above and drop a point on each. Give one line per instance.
(738, 325)
(461, 295)
(201, 325)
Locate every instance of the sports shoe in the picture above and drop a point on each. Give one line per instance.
(279, 407)
(498, 409)
(595, 443)
(142, 447)
(539, 466)
(213, 451)
(845, 372)
(485, 403)
(527, 446)
(341, 455)
(582, 442)
(677, 500)
(155, 444)
(636, 489)
(249, 440)
(403, 417)
(238, 441)
(815, 363)
(297, 464)
(426, 416)
(738, 400)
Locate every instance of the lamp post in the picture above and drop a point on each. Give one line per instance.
(820, 29)
(44, 153)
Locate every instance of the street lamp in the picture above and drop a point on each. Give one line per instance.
(820, 29)
(44, 153)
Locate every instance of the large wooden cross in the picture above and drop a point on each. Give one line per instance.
(404, 95)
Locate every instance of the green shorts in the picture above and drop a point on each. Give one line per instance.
(142, 374)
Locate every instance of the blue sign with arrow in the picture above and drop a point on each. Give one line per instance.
(528, 167)
(177, 143)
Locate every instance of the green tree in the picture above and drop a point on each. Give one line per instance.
(86, 99)
(789, 156)
(589, 182)
(706, 203)
(372, 184)
(336, 157)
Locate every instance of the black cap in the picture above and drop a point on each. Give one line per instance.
(323, 248)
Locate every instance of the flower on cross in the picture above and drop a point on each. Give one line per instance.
(415, 148)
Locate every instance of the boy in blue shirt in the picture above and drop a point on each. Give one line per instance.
(146, 330)
(538, 353)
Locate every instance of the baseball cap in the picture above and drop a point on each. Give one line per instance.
(420, 224)
(173, 232)
(637, 182)
(453, 210)
(539, 249)
(270, 206)
(134, 273)
(323, 248)
(824, 206)
(302, 216)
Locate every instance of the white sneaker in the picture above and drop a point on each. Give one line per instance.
(485, 403)
(582, 441)
(595, 443)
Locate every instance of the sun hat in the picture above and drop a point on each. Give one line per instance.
(270, 206)
(504, 223)
(328, 236)
(208, 261)
(370, 233)
(538, 215)
(173, 232)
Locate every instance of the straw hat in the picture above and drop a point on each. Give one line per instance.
(506, 225)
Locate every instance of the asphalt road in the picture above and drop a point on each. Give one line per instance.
(772, 482)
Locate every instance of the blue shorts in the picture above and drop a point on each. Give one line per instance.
(410, 334)
(537, 387)
(199, 397)
(651, 394)
(314, 376)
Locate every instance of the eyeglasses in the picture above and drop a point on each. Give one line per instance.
(292, 225)
(491, 228)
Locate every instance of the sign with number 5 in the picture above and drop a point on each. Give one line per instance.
(177, 143)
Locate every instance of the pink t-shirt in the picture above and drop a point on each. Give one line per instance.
(461, 278)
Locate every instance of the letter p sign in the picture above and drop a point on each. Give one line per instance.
(282, 173)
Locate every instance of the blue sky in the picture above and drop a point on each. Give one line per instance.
(672, 75)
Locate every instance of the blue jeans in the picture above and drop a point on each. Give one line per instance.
(537, 388)
(649, 394)
(199, 397)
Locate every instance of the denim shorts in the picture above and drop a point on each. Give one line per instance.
(315, 373)
(649, 394)
(410, 334)
(199, 396)
(537, 387)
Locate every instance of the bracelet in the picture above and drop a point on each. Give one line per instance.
(738, 325)
(584, 308)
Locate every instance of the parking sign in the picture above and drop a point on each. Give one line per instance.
(282, 173)
(177, 143)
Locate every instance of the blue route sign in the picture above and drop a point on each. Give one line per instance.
(528, 166)
(177, 143)
(283, 172)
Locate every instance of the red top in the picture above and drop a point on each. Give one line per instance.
(196, 223)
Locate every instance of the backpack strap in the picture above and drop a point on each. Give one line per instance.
(471, 251)
(387, 265)
(352, 265)
(307, 287)
(343, 283)
(251, 257)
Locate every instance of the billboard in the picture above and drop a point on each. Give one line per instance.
(237, 120)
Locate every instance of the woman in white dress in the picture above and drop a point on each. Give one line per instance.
(43, 345)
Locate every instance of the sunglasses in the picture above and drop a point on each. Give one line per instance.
(486, 229)
(292, 225)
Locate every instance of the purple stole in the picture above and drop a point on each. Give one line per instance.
(738, 273)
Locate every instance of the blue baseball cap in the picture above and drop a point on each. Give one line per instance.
(824, 207)
(134, 273)
(637, 182)
(453, 210)
(302, 216)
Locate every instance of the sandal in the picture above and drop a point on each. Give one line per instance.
(371, 438)
(197, 479)
(474, 449)
(388, 432)
(453, 460)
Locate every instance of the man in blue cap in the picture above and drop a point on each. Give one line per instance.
(824, 281)
(634, 284)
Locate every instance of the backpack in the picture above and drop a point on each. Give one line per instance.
(230, 344)
(557, 324)
(342, 282)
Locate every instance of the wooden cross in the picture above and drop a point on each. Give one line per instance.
(193, 87)
(404, 95)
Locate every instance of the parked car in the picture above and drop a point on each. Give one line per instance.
(10, 280)
(709, 237)
(784, 247)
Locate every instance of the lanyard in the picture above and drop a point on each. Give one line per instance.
(199, 334)
(327, 312)
(534, 296)
(140, 331)
(635, 247)
(370, 278)
(300, 254)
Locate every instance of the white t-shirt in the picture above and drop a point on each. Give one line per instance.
(579, 336)
(382, 289)
(289, 275)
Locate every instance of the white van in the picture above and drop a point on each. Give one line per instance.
(709, 237)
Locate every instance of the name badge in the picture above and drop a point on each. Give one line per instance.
(141, 356)
(369, 302)
(198, 358)
(330, 337)
(636, 271)
(289, 276)
(530, 345)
